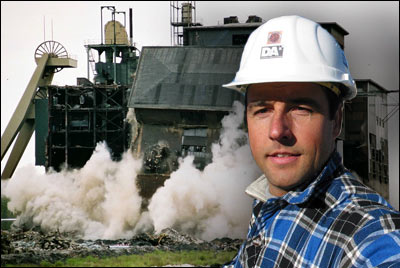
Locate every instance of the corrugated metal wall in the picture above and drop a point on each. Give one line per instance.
(186, 78)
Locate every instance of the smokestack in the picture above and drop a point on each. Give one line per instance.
(130, 26)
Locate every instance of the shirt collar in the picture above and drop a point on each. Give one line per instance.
(259, 189)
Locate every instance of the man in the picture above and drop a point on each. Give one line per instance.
(309, 211)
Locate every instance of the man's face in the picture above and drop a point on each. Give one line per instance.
(291, 135)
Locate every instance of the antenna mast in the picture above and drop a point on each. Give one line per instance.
(44, 28)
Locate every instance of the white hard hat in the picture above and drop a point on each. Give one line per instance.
(294, 49)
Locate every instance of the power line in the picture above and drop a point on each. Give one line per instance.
(391, 113)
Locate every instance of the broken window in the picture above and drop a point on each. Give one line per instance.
(194, 142)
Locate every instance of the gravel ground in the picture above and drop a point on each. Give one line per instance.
(19, 246)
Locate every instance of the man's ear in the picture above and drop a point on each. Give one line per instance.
(337, 128)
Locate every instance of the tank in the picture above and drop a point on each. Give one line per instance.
(186, 13)
(120, 37)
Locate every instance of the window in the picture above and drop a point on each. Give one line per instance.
(194, 142)
(372, 140)
(239, 39)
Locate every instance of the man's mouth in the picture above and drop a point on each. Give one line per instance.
(282, 155)
(282, 158)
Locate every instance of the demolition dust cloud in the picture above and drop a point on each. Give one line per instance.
(101, 200)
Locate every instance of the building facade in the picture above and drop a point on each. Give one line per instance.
(365, 147)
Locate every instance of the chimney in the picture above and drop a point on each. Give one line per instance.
(336, 31)
(231, 19)
(253, 18)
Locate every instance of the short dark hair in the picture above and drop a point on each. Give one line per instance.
(333, 100)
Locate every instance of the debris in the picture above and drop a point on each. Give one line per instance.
(155, 158)
(19, 246)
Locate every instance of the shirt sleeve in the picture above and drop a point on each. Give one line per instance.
(377, 244)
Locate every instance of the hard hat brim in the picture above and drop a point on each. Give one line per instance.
(350, 92)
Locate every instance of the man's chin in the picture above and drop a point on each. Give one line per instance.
(285, 180)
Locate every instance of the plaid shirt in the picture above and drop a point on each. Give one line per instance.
(335, 222)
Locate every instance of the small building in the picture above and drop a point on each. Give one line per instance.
(232, 33)
(179, 102)
(365, 147)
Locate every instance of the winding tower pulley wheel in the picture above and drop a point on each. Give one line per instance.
(54, 49)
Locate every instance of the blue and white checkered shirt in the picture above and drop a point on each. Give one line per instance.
(335, 222)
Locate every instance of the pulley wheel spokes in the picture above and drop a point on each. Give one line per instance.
(53, 48)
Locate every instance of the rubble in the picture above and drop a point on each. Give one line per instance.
(18, 246)
(155, 159)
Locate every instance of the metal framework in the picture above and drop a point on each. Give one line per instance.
(80, 117)
(182, 14)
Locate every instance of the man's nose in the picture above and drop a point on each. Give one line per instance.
(280, 128)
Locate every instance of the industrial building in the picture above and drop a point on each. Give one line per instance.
(365, 146)
(176, 97)
(179, 103)
(76, 118)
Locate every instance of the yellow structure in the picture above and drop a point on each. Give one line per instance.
(121, 37)
(50, 57)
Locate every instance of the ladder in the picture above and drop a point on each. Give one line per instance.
(92, 63)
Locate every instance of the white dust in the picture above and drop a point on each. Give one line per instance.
(101, 200)
(210, 203)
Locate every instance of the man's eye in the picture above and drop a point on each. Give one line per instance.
(302, 110)
(261, 111)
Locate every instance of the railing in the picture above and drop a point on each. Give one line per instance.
(106, 41)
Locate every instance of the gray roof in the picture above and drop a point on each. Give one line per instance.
(226, 26)
(186, 78)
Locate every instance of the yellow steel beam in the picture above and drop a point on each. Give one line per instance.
(19, 115)
(23, 119)
(62, 62)
(22, 141)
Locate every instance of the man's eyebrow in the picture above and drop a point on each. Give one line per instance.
(305, 101)
(257, 103)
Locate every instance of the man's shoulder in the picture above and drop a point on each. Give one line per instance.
(348, 188)
(376, 233)
(363, 222)
(360, 206)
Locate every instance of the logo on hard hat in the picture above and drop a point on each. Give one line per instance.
(274, 37)
(271, 52)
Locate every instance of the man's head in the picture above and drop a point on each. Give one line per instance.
(295, 76)
(292, 131)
